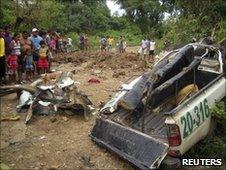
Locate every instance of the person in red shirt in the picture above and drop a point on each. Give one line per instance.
(12, 63)
(43, 62)
(15, 47)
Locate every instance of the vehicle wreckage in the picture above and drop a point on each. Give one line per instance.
(165, 111)
(50, 94)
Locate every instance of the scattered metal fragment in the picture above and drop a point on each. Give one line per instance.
(52, 93)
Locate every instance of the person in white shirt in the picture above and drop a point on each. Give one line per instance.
(142, 49)
(147, 49)
(69, 45)
(152, 49)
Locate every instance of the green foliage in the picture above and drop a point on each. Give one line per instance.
(4, 166)
(51, 16)
(7, 14)
(210, 147)
(78, 15)
(220, 31)
(182, 30)
(187, 19)
(219, 114)
(64, 16)
(146, 14)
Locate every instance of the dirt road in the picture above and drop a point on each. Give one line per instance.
(62, 141)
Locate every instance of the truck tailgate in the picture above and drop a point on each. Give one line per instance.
(138, 148)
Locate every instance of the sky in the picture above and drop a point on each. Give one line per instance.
(114, 7)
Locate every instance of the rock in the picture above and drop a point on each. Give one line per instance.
(54, 167)
(69, 59)
(97, 71)
(65, 118)
(53, 119)
(87, 161)
(11, 165)
(12, 142)
(42, 137)
(20, 157)
(4, 144)
(101, 104)
(122, 73)
(115, 75)
(42, 164)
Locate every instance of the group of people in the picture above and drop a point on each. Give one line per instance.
(57, 43)
(29, 54)
(106, 44)
(147, 48)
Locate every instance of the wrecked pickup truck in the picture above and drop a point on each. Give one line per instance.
(166, 111)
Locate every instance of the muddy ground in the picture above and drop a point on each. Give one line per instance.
(62, 141)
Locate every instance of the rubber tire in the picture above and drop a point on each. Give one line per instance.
(170, 163)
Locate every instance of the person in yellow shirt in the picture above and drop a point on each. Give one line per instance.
(110, 43)
(43, 62)
(2, 58)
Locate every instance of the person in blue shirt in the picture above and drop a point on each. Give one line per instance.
(36, 39)
(8, 38)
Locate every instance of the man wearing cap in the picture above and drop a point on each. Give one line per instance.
(35, 39)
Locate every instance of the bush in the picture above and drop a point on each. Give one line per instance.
(220, 32)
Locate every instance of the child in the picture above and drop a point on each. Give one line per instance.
(16, 51)
(53, 45)
(12, 63)
(29, 64)
(43, 63)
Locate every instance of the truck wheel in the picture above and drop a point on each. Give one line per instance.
(170, 163)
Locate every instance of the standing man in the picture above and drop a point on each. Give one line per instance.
(147, 43)
(26, 45)
(25, 42)
(121, 43)
(143, 49)
(124, 45)
(8, 38)
(86, 42)
(2, 58)
(36, 39)
(81, 41)
(103, 43)
(152, 49)
(110, 43)
(69, 45)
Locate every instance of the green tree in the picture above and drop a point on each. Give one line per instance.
(147, 14)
